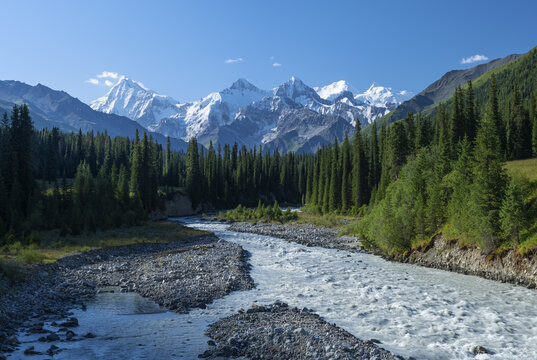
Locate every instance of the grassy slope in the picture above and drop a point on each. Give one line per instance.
(51, 247)
(522, 71)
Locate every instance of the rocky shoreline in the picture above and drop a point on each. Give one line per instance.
(280, 332)
(507, 266)
(439, 253)
(178, 275)
(304, 234)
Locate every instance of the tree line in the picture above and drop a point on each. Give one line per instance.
(425, 174)
(79, 182)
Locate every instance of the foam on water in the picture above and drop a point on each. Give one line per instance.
(413, 311)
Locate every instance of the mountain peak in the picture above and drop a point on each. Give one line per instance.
(334, 90)
(129, 83)
(243, 84)
(380, 95)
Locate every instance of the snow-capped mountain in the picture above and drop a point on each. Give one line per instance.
(215, 110)
(132, 99)
(335, 90)
(290, 117)
(383, 96)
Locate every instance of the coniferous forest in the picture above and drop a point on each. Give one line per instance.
(405, 182)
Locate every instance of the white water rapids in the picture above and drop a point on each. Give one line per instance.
(413, 311)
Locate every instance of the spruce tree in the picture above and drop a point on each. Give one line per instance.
(512, 213)
(193, 175)
(346, 178)
(335, 180)
(470, 113)
(489, 177)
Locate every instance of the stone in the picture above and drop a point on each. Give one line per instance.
(71, 322)
(31, 351)
(69, 335)
(479, 350)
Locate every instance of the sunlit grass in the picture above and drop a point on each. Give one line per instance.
(50, 246)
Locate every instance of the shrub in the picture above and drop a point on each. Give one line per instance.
(32, 255)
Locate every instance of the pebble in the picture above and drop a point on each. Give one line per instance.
(280, 332)
(179, 276)
(304, 234)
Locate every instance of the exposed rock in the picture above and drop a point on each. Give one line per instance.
(180, 275)
(71, 322)
(304, 234)
(280, 332)
(31, 351)
(507, 266)
(479, 350)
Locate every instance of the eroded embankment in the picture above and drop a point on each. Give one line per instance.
(506, 266)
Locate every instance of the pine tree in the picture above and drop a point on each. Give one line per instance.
(456, 120)
(470, 113)
(410, 128)
(489, 177)
(346, 178)
(335, 180)
(193, 175)
(512, 213)
(533, 106)
(518, 134)
(493, 111)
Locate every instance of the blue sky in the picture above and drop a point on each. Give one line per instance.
(180, 48)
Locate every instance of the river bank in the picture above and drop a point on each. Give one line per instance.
(303, 234)
(507, 266)
(179, 275)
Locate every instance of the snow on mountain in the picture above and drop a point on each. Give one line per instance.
(383, 96)
(216, 109)
(287, 117)
(335, 90)
(132, 99)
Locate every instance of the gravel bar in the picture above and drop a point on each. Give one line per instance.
(280, 332)
(178, 275)
(304, 234)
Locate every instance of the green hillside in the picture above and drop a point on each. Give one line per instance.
(522, 71)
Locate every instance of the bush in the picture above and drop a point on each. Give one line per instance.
(31, 255)
(261, 213)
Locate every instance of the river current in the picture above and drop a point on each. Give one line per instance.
(414, 311)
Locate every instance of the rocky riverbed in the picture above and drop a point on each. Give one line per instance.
(304, 234)
(280, 332)
(178, 275)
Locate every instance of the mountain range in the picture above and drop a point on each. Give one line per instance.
(293, 116)
(52, 108)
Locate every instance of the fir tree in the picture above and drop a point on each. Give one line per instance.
(193, 179)
(512, 213)
(489, 177)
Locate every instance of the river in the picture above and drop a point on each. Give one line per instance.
(413, 311)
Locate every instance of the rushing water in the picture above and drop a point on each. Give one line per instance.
(413, 311)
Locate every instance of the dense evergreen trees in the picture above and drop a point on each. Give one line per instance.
(409, 179)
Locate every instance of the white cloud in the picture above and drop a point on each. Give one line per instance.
(108, 83)
(92, 81)
(108, 75)
(276, 64)
(231, 61)
(473, 59)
